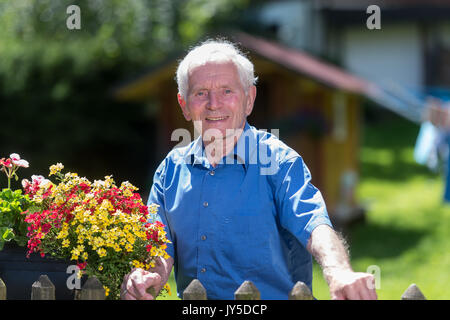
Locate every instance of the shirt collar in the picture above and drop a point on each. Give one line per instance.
(195, 154)
(244, 152)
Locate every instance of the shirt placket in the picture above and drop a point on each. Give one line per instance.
(206, 225)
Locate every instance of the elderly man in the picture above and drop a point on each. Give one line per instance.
(237, 202)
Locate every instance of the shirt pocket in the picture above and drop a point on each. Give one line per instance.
(244, 242)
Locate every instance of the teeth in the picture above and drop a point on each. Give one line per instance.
(216, 119)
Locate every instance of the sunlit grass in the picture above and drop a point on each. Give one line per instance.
(406, 232)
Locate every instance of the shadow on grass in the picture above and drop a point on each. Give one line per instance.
(398, 171)
(387, 155)
(382, 241)
(389, 144)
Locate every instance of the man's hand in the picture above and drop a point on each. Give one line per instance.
(140, 285)
(350, 285)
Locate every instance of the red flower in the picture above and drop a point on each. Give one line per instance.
(7, 163)
(81, 265)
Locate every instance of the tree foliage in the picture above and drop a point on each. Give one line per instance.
(55, 83)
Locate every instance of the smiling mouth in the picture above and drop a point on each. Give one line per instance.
(216, 118)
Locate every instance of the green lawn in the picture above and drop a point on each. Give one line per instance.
(406, 232)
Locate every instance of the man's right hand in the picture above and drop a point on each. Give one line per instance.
(140, 285)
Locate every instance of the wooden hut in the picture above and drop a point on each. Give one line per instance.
(315, 105)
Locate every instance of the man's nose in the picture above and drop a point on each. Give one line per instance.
(214, 101)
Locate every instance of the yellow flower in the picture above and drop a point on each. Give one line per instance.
(167, 287)
(98, 231)
(127, 193)
(62, 234)
(56, 168)
(65, 243)
(75, 253)
(153, 208)
(101, 252)
(37, 199)
(128, 185)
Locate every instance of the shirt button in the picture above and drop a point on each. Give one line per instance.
(205, 204)
(203, 270)
(203, 237)
(211, 173)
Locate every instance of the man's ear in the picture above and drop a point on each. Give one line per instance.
(183, 106)
(251, 96)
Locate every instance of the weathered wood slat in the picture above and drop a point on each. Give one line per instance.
(300, 291)
(2, 290)
(413, 293)
(194, 291)
(247, 291)
(43, 289)
(92, 290)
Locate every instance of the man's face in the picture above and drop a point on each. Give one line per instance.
(216, 98)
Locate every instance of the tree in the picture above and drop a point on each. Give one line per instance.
(55, 81)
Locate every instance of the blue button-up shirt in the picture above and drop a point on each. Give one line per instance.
(248, 218)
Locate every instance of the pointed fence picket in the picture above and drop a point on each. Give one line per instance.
(300, 291)
(43, 289)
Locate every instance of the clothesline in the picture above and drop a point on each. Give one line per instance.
(433, 141)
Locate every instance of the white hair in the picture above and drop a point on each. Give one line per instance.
(215, 51)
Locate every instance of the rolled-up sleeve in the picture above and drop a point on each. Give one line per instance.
(157, 197)
(300, 205)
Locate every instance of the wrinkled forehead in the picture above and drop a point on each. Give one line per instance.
(214, 72)
(213, 58)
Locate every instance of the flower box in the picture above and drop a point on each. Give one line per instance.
(19, 273)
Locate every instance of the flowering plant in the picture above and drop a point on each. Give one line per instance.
(12, 204)
(105, 229)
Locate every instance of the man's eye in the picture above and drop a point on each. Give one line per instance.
(201, 93)
(227, 91)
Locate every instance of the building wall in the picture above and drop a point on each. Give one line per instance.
(392, 54)
(296, 22)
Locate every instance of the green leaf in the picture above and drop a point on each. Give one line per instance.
(6, 194)
(6, 234)
(33, 209)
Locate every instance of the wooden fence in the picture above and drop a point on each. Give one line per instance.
(300, 291)
(44, 289)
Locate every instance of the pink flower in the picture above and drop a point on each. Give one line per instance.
(21, 163)
(38, 179)
(6, 163)
(15, 158)
(26, 183)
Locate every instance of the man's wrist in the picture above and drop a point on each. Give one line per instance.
(331, 272)
(163, 267)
